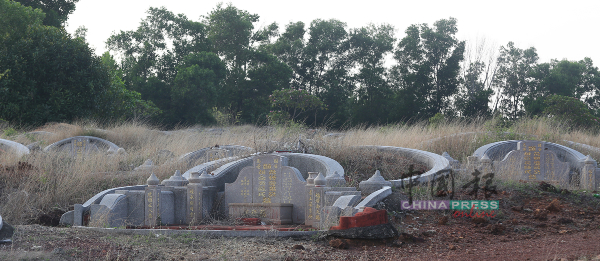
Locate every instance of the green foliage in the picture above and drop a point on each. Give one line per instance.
(291, 104)
(120, 103)
(473, 99)
(513, 79)
(226, 117)
(436, 120)
(427, 73)
(9, 132)
(571, 111)
(57, 11)
(373, 97)
(195, 88)
(52, 77)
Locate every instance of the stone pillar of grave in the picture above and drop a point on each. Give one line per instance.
(194, 198)
(486, 164)
(176, 184)
(152, 202)
(472, 163)
(335, 180)
(588, 174)
(310, 198)
(209, 193)
(375, 183)
(316, 195)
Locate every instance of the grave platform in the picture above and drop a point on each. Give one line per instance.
(269, 213)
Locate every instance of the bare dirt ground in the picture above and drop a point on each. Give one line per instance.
(532, 224)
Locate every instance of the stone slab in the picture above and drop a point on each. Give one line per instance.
(270, 213)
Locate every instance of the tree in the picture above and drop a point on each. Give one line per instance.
(57, 11)
(252, 73)
(120, 103)
(51, 77)
(326, 68)
(513, 79)
(195, 88)
(478, 70)
(566, 78)
(474, 98)
(291, 104)
(152, 55)
(427, 73)
(591, 85)
(571, 111)
(320, 64)
(373, 95)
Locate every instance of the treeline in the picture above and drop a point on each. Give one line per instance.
(222, 69)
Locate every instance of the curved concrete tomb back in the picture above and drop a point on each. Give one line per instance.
(437, 164)
(228, 172)
(497, 151)
(209, 154)
(9, 146)
(81, 145)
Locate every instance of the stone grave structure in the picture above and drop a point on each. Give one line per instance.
(278, 194)
(9, 146)
(266, 188)
(538, 161)
(79, 146)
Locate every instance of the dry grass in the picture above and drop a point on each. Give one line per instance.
(53, 180)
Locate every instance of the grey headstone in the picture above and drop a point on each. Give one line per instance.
(67, 218)
(269, 181)
(532, 162)
(146, 166)
(111, 212)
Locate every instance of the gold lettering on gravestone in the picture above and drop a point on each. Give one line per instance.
(79, 145)
(317, 205)
(245, 191)
(272, 183)
(262, 184)
(152, 200)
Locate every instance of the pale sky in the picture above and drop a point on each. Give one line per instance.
(566, 30)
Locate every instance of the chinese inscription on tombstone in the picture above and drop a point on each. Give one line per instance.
(267, 189)
(533, 162)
